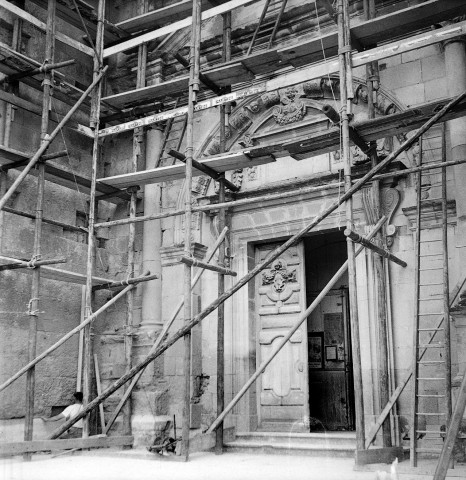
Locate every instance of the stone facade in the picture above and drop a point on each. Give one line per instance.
(405, 80)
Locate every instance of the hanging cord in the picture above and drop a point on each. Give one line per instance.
(81, 194)
(336, 107)
(323, 54)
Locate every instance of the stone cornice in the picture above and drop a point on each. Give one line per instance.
(171, 255)
(431, 214)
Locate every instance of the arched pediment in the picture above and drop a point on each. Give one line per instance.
(273, 117)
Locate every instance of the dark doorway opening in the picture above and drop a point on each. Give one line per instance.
(331, 394)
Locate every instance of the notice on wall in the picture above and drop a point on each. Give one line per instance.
(334, 340)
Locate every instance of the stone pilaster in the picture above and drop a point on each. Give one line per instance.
(172, 292)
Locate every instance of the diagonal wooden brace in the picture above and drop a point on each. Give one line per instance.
(218, 177)
(45, 144)
(207, 266)
(355, 237)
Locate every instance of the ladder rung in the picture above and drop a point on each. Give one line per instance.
(430, 329)
(430, 414)
(432, 345)
(431, 255)
(430, 314)
(424, 395)
(430, 284)
(427, 299)
(431, 378)
(430, 269)
(430, 431)
(431, 362)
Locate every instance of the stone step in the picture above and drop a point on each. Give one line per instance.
(333, 438)
(316, 444)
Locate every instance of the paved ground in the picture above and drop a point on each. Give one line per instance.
(202, 466)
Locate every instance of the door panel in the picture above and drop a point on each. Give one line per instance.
(280, 298)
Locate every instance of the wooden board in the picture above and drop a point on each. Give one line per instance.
(379, 455)
(220, 163)
(262, 62)
(369, 130)
(162, 16)
(229, 74)
(148, 94)
(61, 177)
(18, 448)
(222, 76)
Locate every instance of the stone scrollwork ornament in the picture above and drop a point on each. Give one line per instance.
(391, 199)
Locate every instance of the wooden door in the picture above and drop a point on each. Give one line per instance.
(280, 299)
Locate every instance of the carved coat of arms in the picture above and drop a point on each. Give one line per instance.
(292, 109)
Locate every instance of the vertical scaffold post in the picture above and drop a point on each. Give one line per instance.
(345, 65)
(95, 115)
(224, 116)
(194, 64)
(138, 140)
(35, 288)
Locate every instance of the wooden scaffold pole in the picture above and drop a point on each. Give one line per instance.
(33, 309)
(95, 115)
(345, 69)
(224, 116)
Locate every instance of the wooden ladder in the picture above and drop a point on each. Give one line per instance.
(431, 394)
(172, 138)
(267, 27)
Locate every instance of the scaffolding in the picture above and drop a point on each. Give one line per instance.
(223, 84)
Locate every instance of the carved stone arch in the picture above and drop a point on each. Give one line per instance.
(284, 106)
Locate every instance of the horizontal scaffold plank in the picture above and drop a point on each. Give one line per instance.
(299, 75)
(147, 94)
(299, 148)
(162, 16)
(62, 177)
(52, 273)
(98, 441)
(370, 130)
(221, 76)
(221, 163)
